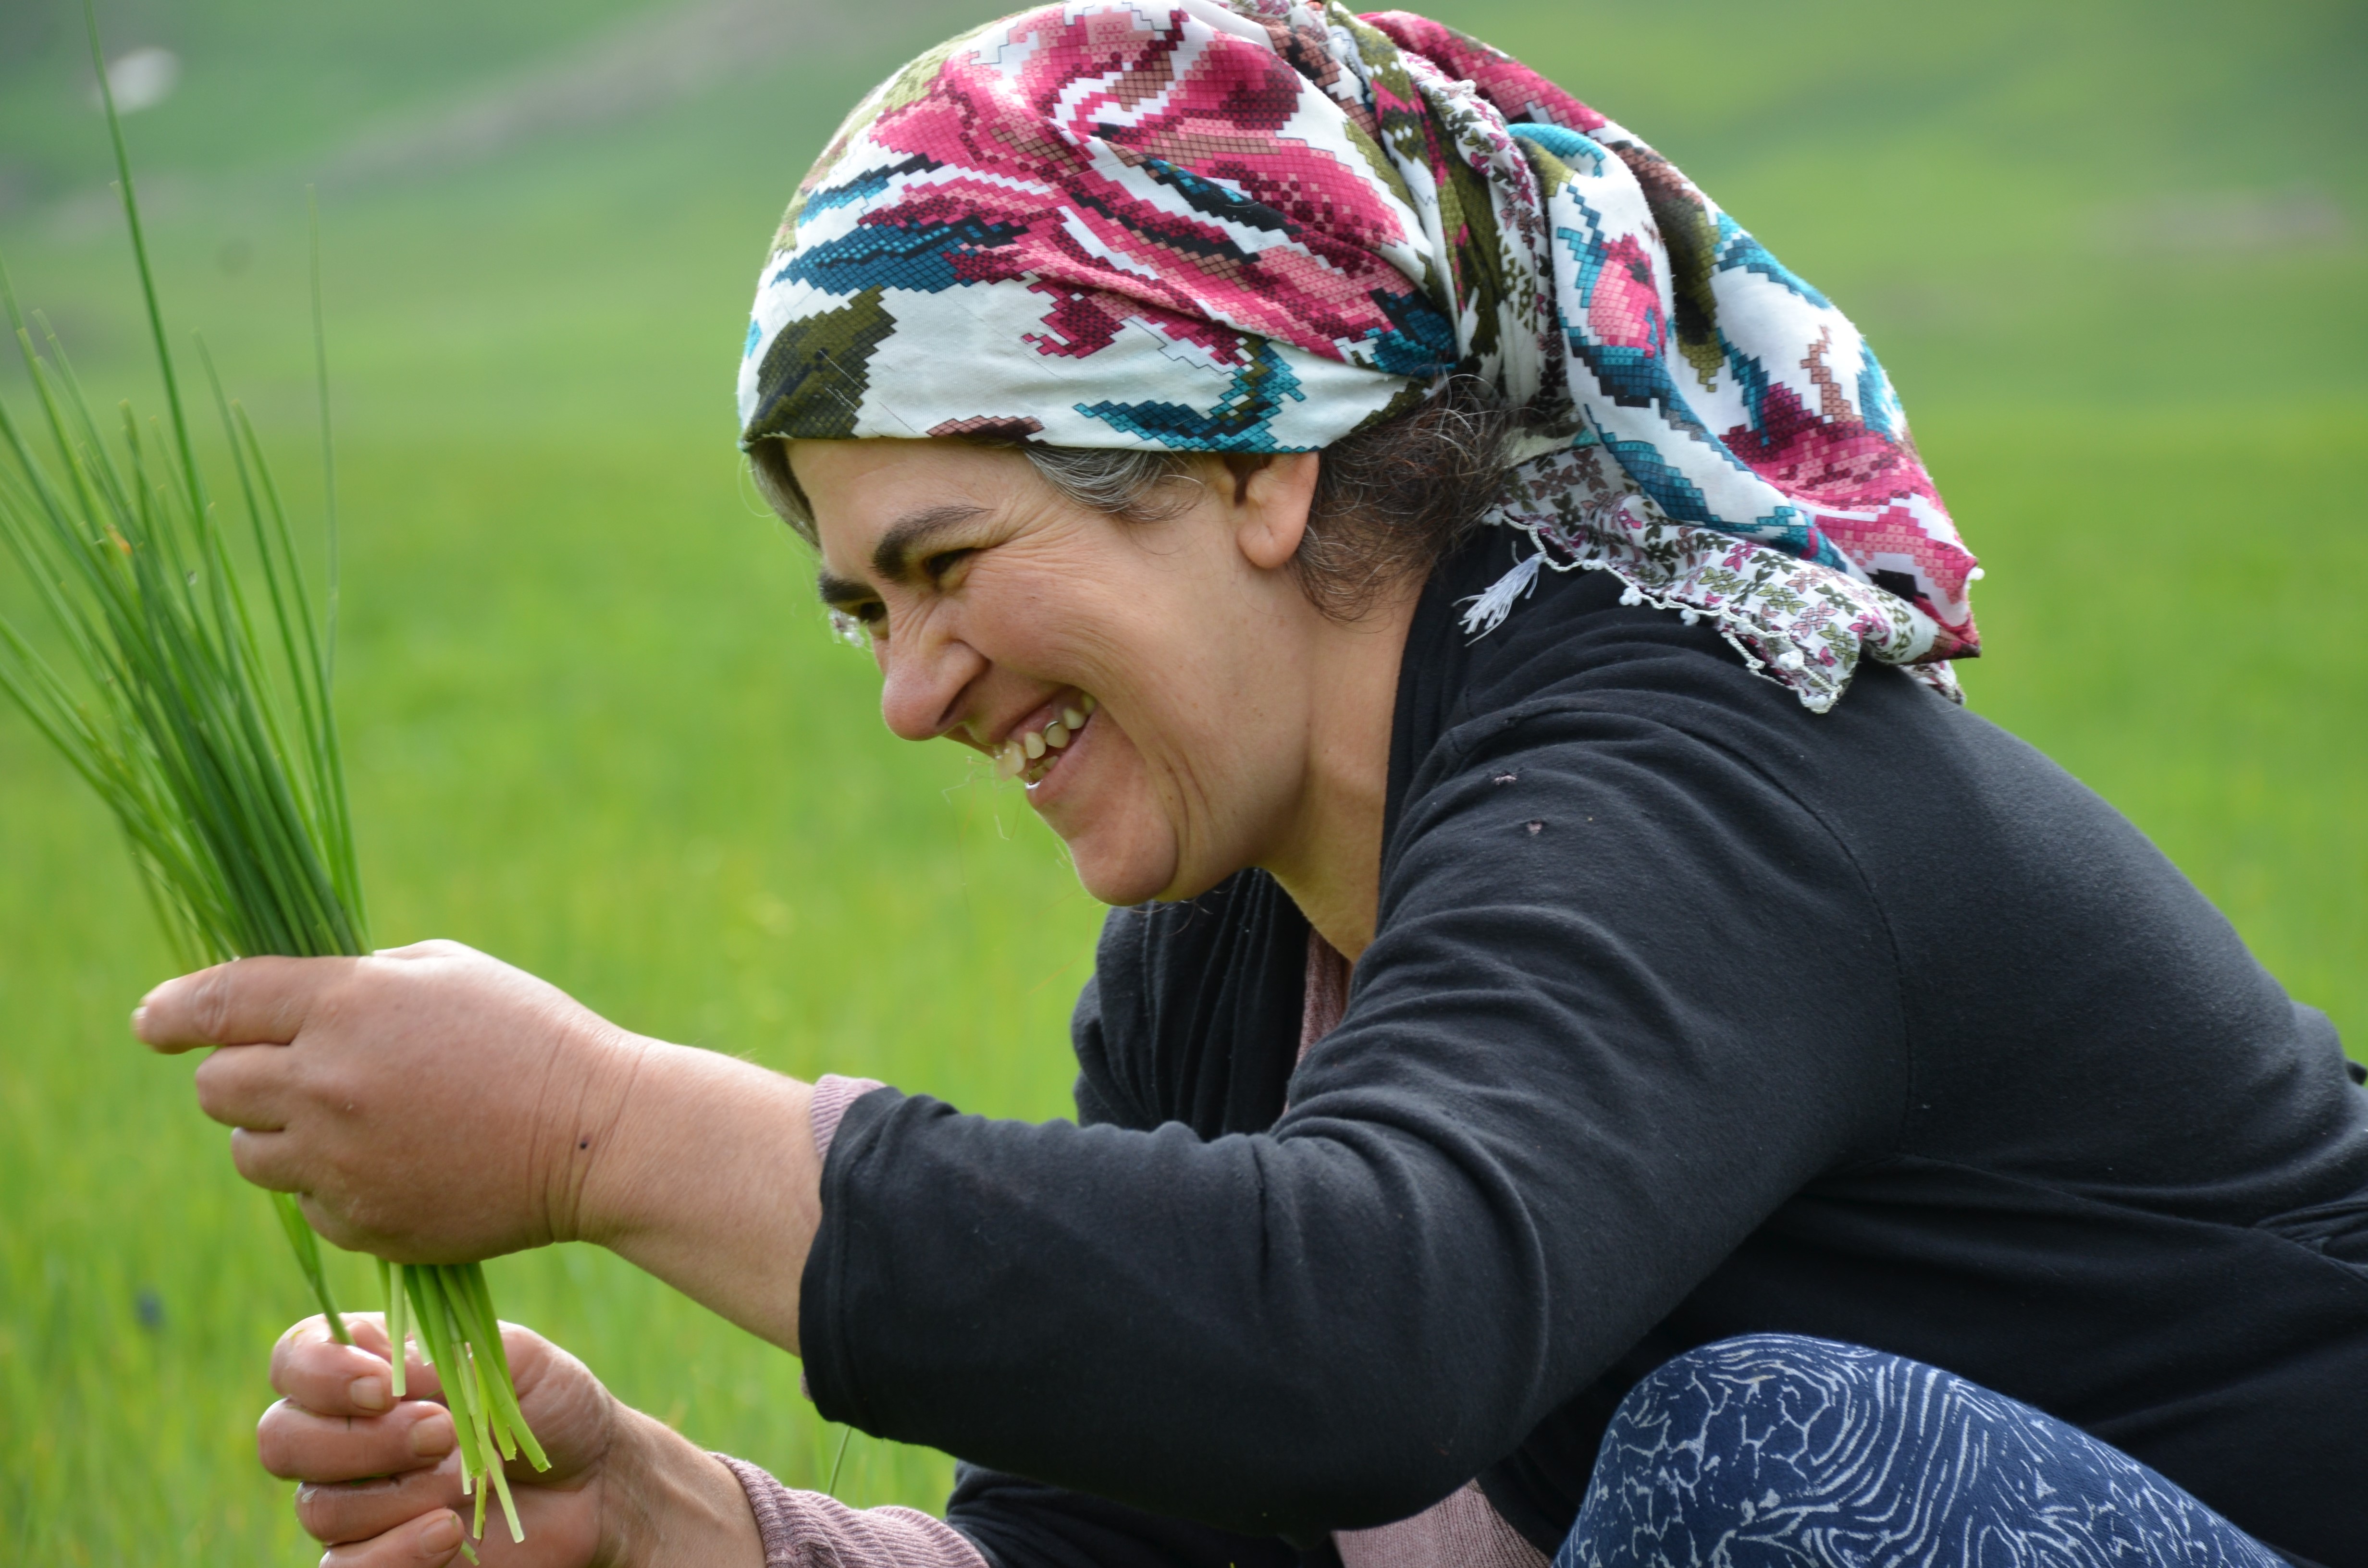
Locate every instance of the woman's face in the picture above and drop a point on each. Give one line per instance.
(1147, 681)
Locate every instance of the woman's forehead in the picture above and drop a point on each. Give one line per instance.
(821, 461)
(874, 477)
(879, 504)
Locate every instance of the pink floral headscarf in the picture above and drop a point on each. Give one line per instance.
(1187, 225)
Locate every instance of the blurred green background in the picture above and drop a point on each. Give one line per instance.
(2113, 253)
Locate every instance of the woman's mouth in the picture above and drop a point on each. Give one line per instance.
(1029, 753)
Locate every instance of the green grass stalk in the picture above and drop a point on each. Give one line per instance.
(203, 717)
(391, 1286)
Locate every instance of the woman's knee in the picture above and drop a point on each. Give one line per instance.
(1764, 1380)
(1723, 1443)
(1797, 1451)
(1778, 1411)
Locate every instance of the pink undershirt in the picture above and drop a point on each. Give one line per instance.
(807, 1529)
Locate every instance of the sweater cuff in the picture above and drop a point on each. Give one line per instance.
(831, 1095)
(806, 1529)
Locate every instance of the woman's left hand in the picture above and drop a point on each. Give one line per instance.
(381, 1482)
(429, 1104)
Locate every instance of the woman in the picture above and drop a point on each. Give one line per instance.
(1598, 1058)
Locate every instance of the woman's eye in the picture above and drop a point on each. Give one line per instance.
(944, 563)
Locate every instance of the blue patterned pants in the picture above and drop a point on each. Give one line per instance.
(1774, 1450)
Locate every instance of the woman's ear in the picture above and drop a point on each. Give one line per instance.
(1271, 496)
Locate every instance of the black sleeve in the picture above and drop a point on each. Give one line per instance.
(1019, 1523)
(1627, 997)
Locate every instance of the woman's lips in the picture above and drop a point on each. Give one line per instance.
(1030, 752)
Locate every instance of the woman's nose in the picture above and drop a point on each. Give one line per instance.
(923, 678)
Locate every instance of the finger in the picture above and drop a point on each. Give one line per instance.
(314, 1372)
(244, 1085)
(247, 1002)
(269, 1161)
(297, 1445)
(369, 1522)
(361, 1510)
(433, 1537)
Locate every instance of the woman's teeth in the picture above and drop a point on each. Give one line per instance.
(1023, 751)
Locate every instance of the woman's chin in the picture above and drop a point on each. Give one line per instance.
(1100, 801)
(1122, 874)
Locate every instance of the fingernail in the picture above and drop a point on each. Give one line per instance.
(432, 1436)
(367, 1393)
(138, 1015)
(443, 1534)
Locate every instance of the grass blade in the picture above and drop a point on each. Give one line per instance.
(308, 1257)
(201, 714)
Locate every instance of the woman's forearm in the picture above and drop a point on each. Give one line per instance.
(701, 1169)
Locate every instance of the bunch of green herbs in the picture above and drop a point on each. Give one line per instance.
(208, 731)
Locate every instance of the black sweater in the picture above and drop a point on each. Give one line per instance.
(1689, 1014)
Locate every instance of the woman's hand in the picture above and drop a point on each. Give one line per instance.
(382, 1476)
(431, 1105)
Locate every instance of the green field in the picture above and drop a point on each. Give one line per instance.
(2113, 255)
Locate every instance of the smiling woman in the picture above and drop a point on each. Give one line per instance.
(1598, 1056)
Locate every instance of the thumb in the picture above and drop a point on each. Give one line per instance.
(245, 1002)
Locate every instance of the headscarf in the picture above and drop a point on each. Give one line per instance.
(1260, 226)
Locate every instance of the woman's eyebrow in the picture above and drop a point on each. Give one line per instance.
(912, 534)
(907, 537)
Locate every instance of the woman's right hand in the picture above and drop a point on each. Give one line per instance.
(429, 1104)
(381, 1477)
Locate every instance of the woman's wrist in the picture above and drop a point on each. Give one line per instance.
(697, 1167)
(585, 1101)
(673, 1503)
(661, 1126)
